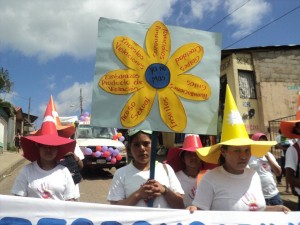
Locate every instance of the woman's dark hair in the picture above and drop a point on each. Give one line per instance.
(221, 158)
(130, 138)
(297, 125)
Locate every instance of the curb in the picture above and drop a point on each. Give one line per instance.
(6, 172)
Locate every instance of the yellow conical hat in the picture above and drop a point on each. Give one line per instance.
(233, 133)
(233, 125)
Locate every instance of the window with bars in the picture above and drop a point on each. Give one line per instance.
(246, 84)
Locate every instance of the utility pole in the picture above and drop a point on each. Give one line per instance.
(29, 112)
(80, 99)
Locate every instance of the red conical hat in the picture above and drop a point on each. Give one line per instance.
(191, 143)
(63, 131)
(47, 135)
(286, 127)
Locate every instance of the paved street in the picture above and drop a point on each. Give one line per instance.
(94, 188)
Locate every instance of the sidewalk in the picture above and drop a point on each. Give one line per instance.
(8, 162)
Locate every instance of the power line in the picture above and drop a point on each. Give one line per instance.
(263, 26)
(147, 8)
(228, 15)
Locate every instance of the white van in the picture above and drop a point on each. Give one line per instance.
(94, 140)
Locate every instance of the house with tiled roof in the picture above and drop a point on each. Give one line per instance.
(10, 124)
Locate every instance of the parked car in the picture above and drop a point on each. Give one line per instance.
(100, 147)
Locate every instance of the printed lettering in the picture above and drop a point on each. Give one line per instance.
(167, 108)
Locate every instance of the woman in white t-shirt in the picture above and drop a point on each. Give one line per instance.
(44, 177)
(131, 184)
(188, 167)
(265, 167)
(232, 186)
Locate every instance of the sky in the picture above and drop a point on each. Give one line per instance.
(49, 46)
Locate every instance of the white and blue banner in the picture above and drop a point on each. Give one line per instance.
(28, 211)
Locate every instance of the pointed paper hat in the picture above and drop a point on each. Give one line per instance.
(287, 127)
(233, 133)
(191, 143)
(257, 136)
(47, 136)
(64, 131)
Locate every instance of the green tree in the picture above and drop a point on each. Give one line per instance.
(5, 84)
(8, 108)
(5, 87)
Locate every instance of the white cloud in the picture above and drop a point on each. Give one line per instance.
(247, 18)
(200, 8)
(67, 102)
(48, 29)
(50, 82)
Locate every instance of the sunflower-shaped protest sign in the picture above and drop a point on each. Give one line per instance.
(156, 77)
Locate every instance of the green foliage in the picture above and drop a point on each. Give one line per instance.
(8, 108)
(5, 87)
(5, 84)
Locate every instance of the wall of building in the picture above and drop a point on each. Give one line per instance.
(230, 67)
(278, 81)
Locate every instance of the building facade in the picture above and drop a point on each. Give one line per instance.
(264, 81)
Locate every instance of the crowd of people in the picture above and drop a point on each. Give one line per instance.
(235, 174)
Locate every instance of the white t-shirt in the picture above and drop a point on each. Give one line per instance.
(222, 191)
(128, 179)
(263, 168)
(35, 182)
(291, 161)
(189, 185)
(80, 155)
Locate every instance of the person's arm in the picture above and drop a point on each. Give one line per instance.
(134, 198)
(292, 179)
(20, 185)
(193, 208)
(79, 162)
(76, 158)
(274, 165)
(70, 186)
(277, 208)
(175, 200)
(291, 163)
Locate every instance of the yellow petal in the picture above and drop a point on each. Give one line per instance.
(121, 82)
(171, 110)
(137, 108)
(130, 53)
(185, 58)
(158, 42)
(190, 87)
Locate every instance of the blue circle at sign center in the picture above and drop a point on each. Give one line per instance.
(158, 75)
